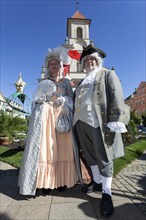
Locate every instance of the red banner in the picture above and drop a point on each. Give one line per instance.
(66, 69)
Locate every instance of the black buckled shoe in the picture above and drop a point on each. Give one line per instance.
(92, 187)
(106, 205)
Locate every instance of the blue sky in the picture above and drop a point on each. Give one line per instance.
(30, 27)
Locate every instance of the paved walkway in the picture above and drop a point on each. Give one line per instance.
(129, 197)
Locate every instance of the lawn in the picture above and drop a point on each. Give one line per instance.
(11, 156)
(133, 151)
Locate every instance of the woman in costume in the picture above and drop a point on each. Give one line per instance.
(49, 159)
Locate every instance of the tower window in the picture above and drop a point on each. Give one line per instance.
(79, 67)
(79, 32)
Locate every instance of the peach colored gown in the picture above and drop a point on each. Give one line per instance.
(56, 165)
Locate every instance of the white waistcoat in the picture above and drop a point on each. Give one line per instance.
(84, 108)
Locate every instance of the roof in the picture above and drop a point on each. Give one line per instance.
(78, 15)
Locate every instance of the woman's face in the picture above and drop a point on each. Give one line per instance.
(90, 63)
(54, 67)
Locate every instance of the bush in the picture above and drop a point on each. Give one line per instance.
(130, 136)
(10, 126)
(132, 128)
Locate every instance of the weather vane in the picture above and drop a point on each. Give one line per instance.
(77, 2)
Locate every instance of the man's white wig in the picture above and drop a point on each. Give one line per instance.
(95, 52)
(97, 57)
(61, 55)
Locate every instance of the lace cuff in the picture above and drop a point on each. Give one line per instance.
(117, 127)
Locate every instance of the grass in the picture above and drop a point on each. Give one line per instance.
(11, 156)
(133, 151)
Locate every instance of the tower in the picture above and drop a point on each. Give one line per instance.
(77, 38)
(19, 102)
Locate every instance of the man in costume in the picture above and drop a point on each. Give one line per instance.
(100, 117)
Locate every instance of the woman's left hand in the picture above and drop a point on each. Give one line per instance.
(58, 102)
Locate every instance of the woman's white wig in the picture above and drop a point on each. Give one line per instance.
(61, 55)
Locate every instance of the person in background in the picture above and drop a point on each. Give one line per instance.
(100, 116)
(48, 160)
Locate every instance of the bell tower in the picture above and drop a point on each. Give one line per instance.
(78, 30)
(77, 37)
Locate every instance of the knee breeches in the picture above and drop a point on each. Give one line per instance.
(93, 149)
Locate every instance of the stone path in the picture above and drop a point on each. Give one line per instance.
(129, 197)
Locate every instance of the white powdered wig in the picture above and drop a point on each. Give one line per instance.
(98, 58)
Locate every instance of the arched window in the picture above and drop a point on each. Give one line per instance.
(79, 32)
(79, 69)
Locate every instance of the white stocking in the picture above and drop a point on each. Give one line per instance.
(96, 174)
(106, 184)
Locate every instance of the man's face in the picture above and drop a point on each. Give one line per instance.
(90, 63)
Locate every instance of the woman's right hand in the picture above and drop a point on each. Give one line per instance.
(41, 99)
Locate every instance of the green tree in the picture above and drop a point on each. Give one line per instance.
(137, 119)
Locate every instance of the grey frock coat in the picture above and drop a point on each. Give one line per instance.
(109, 105)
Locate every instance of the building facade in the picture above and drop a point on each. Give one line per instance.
(137, 100)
